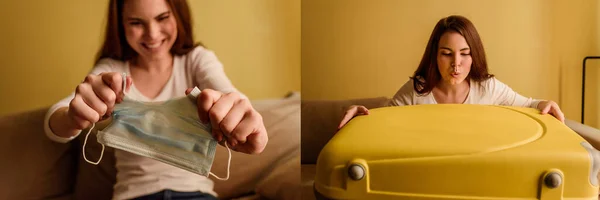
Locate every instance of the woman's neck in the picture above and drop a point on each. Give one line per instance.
(157, 65)
(449, 89)
(448, 93)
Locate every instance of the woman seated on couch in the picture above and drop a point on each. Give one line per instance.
(151, 40)
(453, 70)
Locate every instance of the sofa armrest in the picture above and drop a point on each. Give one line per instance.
(591, 134)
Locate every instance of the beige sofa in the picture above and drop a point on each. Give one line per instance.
(321, 118)
(34, 167)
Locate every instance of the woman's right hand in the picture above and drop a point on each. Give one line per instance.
(95, 99)
(353, 111)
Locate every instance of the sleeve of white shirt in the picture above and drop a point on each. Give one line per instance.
(404, 96)
(209, 72)
(102, 66)
(504, 95)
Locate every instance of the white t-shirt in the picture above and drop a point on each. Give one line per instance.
(489, 92)
(138, 175)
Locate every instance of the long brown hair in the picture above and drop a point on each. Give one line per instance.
(115, 44)
(427, 75)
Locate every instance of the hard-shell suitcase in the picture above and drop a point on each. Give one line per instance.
(452, 151)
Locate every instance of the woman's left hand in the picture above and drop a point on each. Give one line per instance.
(552, 108)
(233, 120)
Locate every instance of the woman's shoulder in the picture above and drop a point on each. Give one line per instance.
(408, 86)
(491, 86)
(407, 95)
(200, 59)
(407, 90)
(109, 65)
(488, 83)
(200, 54)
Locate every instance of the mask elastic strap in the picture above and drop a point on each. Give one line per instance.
(228, 165)
(85, 141)
(124, 85)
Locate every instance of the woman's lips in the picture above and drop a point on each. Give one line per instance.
(153, 45)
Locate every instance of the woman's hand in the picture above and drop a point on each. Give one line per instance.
(552, 108)
(353, 111)
(233, 119)
(95, 99)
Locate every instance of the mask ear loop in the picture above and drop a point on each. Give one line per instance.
(124, 77)
(228, 165)
(85, 142)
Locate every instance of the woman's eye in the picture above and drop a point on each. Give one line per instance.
(465, 54)
(163, 18)
(135, 23)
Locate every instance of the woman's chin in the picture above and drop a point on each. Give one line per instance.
(455, 81)
(155, 55)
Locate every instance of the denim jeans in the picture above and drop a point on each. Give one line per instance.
(174, 195)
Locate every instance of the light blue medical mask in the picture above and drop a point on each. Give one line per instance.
(168, 131)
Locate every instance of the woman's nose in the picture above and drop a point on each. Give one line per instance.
(152, 31)
(456, 60)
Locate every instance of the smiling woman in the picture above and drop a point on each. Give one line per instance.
(151, 41)
(75, 72)
(143, 23)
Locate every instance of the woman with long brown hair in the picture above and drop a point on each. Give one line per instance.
(151, 41)
(454, 70)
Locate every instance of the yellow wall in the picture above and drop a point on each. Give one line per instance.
(257, 41)
(358, 49)
(47, 47)
(592, 94)
(596, 98)
(575, 35)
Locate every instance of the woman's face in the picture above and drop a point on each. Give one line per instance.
(150, 27)
(453, 58)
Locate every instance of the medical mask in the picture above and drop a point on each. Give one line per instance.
(168, 131)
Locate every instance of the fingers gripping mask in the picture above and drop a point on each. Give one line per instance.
(168, 131)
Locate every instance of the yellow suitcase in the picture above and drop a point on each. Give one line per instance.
(456, 151)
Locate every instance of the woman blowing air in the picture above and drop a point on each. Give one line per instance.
(151, 41)
(453, 70)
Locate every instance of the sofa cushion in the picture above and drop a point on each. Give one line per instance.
(34, 166)
(275, 173)
(320, 119)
